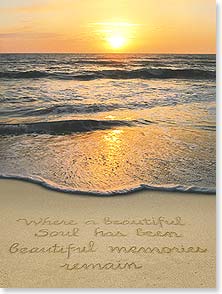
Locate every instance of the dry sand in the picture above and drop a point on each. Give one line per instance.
(21, 200)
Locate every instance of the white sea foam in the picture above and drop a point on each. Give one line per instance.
(167, 188)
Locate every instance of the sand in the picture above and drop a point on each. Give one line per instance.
(83, 220)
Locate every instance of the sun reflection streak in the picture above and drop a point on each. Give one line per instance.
(106, 158)
(113, 136)
(112, 143)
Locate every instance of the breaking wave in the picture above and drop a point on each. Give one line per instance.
(60, 127)
(143, 73)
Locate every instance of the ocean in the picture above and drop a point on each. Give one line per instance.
(108, 124)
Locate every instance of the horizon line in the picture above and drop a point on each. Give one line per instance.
(190, 53)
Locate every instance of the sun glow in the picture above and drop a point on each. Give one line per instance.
(116, 41)
(115, 35)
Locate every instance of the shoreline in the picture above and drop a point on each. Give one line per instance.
(124, 192)
(37, 217)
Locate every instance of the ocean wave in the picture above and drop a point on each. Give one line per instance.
(96, 62)
(72, 109)
(23, 74)
(143, 73)
(60, 188)
(60, 127)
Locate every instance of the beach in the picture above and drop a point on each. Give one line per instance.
(139, 240)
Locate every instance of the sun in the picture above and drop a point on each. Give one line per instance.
(115, 36)
(116, 41)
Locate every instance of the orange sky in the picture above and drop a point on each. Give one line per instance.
(85, 26)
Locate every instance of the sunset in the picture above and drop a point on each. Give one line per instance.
(185, 26)
(108, 144)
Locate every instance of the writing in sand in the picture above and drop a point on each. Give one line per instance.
(105, 244)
